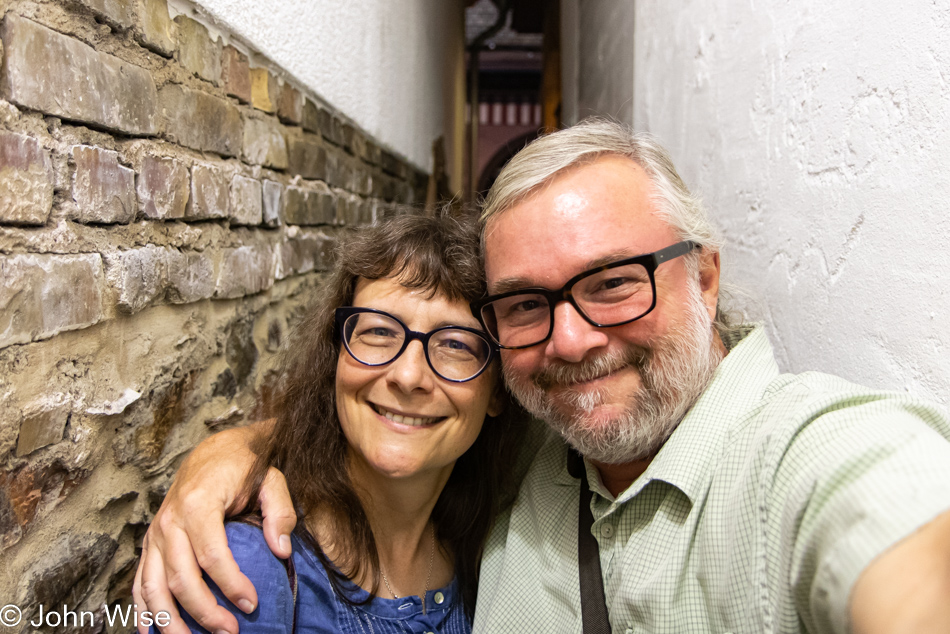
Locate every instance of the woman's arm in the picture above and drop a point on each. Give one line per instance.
(187, 534)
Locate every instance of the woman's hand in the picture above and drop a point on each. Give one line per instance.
(187, 535)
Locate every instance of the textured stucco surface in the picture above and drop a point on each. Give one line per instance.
(378, 61)
(819, 134)
(605, 66)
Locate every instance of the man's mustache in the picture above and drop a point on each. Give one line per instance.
(561, 374)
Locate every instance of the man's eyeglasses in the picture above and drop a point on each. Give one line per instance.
(606, 296)
(372, 337)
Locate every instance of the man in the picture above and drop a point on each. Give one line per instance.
(726, 497)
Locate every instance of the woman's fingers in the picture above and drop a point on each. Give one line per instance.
(278, 511)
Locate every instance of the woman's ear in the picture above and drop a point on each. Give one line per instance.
(496, 405)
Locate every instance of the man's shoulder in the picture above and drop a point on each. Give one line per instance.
(813, 425)
(796, 400)
(794, 427)
(803, 394)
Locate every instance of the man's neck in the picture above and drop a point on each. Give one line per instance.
(617, 478)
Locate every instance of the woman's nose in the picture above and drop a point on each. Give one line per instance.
(410, 371)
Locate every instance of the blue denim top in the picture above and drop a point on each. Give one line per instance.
(319, 609)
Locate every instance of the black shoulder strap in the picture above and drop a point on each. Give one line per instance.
(258, 521)
(593, 603)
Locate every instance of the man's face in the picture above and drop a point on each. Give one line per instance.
(597, 386)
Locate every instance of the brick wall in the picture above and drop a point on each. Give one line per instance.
(168, 203)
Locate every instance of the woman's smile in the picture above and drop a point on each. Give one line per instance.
(411, 420)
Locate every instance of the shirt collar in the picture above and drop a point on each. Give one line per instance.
(686, 459)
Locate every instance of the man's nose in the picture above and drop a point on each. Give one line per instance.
(572, 337)
(410, 371)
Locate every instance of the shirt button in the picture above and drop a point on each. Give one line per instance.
(606, 530)
(439, 598)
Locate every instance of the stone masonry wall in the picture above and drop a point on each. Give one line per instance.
(168, 203)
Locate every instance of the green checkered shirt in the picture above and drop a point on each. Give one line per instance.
(757, 515)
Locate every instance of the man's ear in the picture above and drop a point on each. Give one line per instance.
(709, 269)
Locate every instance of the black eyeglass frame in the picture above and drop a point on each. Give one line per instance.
(649, 261)
(345, 312)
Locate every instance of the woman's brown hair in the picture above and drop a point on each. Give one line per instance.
(439, 255)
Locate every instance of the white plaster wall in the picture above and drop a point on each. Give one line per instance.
(597, 59)
(379, 62)
(819, 133)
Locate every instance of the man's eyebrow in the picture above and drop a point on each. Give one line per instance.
(507, 284)
(626, 254)
(511, 284)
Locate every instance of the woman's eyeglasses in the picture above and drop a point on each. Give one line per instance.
(374, 338)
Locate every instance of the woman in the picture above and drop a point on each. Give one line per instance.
(383, 439)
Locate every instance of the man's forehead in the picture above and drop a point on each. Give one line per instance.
(582, 190)
(591, 213)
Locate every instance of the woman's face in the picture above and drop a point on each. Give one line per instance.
(441, 419)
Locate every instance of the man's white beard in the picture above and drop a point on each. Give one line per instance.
(674, 371)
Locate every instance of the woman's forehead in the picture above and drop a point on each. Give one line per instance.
(392, 295)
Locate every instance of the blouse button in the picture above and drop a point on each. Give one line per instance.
(439, 598)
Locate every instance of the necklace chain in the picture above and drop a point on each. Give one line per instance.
(428, 574)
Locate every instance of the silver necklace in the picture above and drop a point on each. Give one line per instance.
(428, 574)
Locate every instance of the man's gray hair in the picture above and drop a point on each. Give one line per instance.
(546, 157)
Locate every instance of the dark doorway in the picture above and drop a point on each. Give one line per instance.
(518, 81)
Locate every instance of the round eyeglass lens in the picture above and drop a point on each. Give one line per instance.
(372, 338)
(616, 295)
(457, 354)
